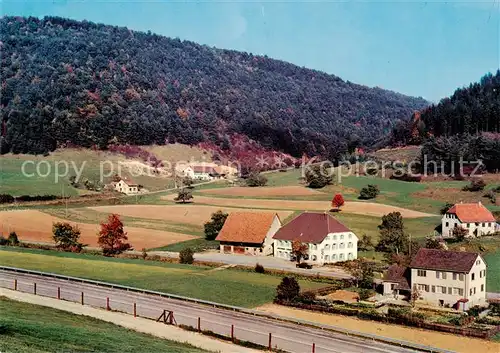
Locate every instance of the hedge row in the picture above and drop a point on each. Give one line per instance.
(6, 198)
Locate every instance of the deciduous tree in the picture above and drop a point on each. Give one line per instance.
(66, 236)
(460, 233)
(213, 227)
(299, 250)
(112, 237)
(338, 201)
(393, 237)
(183, 196)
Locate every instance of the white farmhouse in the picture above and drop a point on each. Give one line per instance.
(328, 240)
(474, 217)
(127, 187)
(442, 278)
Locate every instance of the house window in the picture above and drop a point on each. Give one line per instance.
(350, 236)
(393, 286)
(334, 257)
(460, 291)
(443, 275)
(423, 287)
(480, 274)
(443, 290)
(482, 287)
(341, 257)
(342, 246)
(350, 256)
(474, 290)
(327, 258)
(461, 277)
(483, 225)
(450, 290)
(334, 237)
(433, 289)
(327, 247)
(437, 274)
(334, 246)
(447, 224)
(314, 257)
(478, 262)
(421, 273)
(468, 225)
(349, 245)
(473, 276)
(454, 276)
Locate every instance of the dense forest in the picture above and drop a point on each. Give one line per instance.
(465, 125)
(70, 83)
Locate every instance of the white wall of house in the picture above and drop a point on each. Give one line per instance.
(202, 176)
(334, 248)
(268, 241)
(446, 288)
(450, 221)
(123, 187)
(188, 172)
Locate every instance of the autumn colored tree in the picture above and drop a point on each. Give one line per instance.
(299, 250)
(66, 236)
(338, 201)
(112, 237)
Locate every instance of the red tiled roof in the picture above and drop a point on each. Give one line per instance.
(398, 274)
(246, 227)
(472, 212)
(454, 261)
(310, 227)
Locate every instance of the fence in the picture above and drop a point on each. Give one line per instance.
(464, 331)
(223, 329)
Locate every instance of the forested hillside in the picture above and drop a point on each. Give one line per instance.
(69, 83)
(465, 125)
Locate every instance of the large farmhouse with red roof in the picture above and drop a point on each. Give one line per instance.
(444, 278)
(474, 217)
(327, 239)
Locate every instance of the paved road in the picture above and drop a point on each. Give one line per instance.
(266, 261)
(287, 336)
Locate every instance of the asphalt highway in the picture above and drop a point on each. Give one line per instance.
(289, 337)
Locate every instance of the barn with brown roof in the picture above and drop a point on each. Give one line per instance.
(249, 233)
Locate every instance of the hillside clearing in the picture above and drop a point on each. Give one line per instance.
(263, 191)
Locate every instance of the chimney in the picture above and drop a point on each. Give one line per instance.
(479, 203)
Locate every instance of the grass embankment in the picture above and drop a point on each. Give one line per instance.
(35, 329)
(226, 286)
(493, 277)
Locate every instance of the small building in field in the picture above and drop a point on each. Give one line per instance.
(127, 187)
(442, 278)
(327, 239)
(474, 217)
(249, 233)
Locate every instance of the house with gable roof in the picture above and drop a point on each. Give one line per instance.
(474, 217)
(126, 186)
(249, 233)
(442, 278)
(328, 240)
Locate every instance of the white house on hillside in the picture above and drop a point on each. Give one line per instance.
(474, 217)
(328, 240)
(127, 187)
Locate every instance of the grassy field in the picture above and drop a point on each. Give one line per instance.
(234, 287)
(37, 329)
(197, 245)
(493, 278)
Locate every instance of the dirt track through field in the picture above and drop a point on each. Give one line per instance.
(36, 226)
(180, 214)
(263, 191)
(410, 334)
(357, 207)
